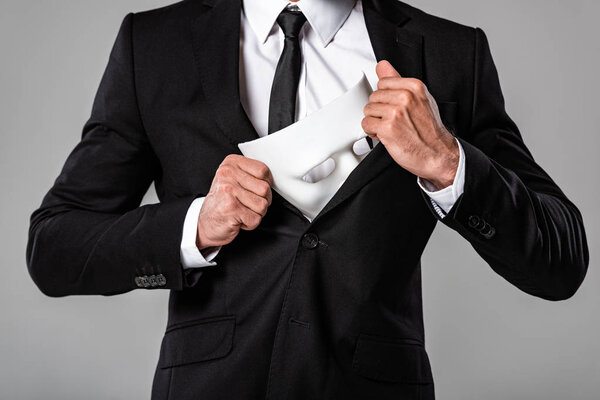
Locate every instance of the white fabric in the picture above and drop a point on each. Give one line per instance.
(326, 134)
(190, 256)
(446, 197)
(336, 50)
(329, 68)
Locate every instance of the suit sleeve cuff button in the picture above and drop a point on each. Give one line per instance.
(488, 231)
(474, 221)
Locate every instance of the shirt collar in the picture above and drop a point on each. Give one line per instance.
(325, 17)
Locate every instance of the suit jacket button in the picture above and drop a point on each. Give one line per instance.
(152, 280)
(487, 231)
(161, 280)
(145, 282)
(474, 220)
(310, 241)
(138, 282)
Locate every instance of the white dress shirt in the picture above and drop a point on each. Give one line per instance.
(336, 50)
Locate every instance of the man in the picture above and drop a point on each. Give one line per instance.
(265, 303)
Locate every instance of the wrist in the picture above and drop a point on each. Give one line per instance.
(202, 242)
(446, 172)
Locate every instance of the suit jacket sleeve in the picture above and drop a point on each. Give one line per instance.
(511, 211)
(90, 236)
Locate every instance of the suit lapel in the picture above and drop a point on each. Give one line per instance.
(216, 37)
(404, 50)
(390, 40)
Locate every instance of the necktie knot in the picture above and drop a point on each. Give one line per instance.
(291, 22)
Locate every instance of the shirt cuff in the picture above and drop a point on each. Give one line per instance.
(443, 200)
(191, 256)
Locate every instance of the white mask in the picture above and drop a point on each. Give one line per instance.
(292, 152)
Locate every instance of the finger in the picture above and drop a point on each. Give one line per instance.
(255, 168)
(252, 201)
(385, 70)
(372, 126)
(248, 219)
(414, 85)
(257, 186)
(378, 110)
(401, 97)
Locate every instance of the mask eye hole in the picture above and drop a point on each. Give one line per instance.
(320, 172)
(361, 147)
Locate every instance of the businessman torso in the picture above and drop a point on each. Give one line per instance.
(318, 309)
(296, 310)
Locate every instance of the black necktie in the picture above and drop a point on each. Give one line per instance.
(282, 105)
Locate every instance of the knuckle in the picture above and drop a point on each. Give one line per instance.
(227, 188)
(225, 170)
(386, 83)
(373, 96)
(263, 205)
(418, 86)
(264, 189)
(253, 221)
(229, 159)
(397, 113)
(264, 171)
(269, 181)
(404, 97)
(364, 124)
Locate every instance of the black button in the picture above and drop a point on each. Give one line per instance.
(474, 220)
(146, 281)
(142, 281)
(488, 231)
(310, 241)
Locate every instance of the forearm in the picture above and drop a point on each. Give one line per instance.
(90, 236)
(538, 241)
(84, 252)
(511, 211)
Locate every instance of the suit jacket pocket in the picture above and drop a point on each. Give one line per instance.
(389, 360)
(196, 341)
(448, 114)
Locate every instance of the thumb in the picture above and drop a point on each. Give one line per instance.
(385, 70)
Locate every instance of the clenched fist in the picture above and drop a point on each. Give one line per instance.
(238, 199)
(405, 118)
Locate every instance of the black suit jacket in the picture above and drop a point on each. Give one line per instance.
(294, 310)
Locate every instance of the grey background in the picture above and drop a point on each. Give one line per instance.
(486, 339)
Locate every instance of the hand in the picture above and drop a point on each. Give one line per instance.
(238, 199)
(404, 117)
